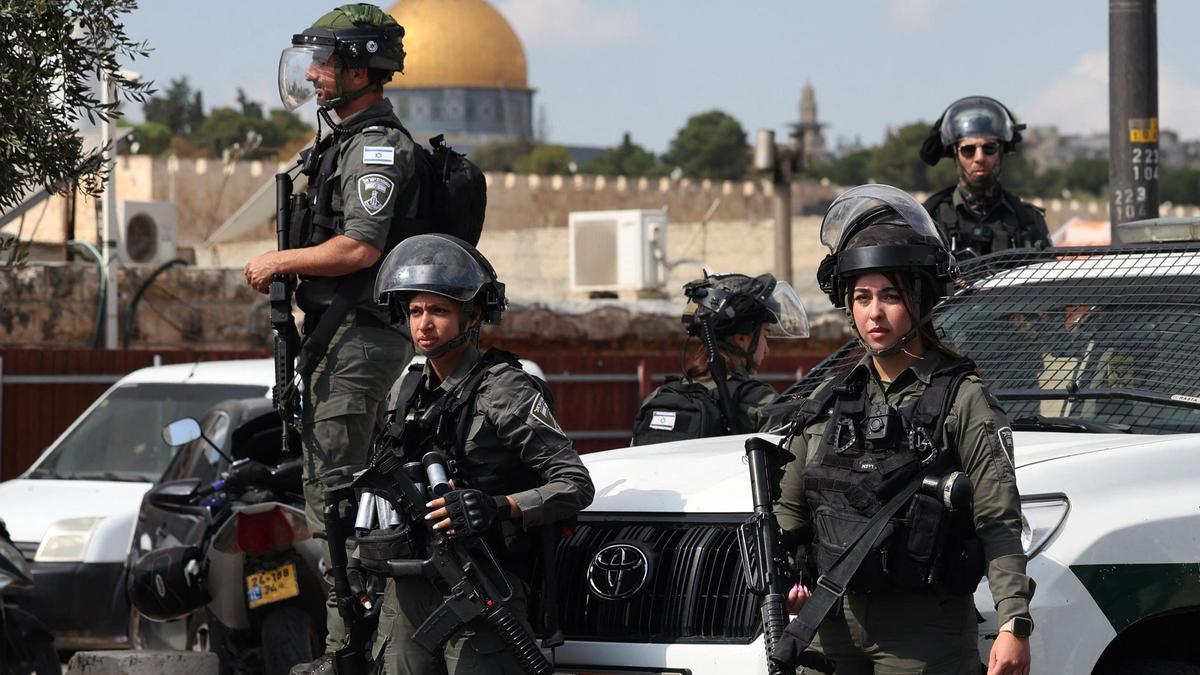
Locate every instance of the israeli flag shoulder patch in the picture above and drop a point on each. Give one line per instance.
(663, 420)
(379, 154)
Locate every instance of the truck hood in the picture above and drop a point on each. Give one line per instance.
(710, 475)
(30, 506)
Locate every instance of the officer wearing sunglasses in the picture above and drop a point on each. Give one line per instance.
(978, 216)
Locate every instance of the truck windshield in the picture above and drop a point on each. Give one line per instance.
(121, 438)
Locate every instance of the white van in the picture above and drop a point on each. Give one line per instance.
(72, 513)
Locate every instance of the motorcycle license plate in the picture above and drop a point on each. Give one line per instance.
(269, 586)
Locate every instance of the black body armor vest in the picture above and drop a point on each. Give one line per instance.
(980, 237)
(867, 454)
(420, 425)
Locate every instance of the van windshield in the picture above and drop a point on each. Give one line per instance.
(121, 438)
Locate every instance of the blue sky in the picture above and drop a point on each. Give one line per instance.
(603, 67)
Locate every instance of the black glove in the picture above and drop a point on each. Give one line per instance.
(473, 512)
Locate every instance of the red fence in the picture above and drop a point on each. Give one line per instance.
(43, 391)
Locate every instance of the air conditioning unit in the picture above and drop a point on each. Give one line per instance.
(617, 250)
(148, 231)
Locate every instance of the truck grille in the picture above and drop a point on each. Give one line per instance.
(693, 592)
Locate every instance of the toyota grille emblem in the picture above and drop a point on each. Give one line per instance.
(618, 571)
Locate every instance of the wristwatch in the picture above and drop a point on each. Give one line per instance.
(1019, 626)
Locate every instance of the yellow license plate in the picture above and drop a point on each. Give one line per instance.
(272, 585)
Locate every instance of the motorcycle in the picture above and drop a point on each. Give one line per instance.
(26, 645)
(256, 571)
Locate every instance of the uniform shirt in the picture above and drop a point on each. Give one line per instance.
(373, 191)
(977, 428)
(750, 396)
(1011, 222)
(512, 429)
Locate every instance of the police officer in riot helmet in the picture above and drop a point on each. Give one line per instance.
(513, 469)
(912, 437)
(739, 313)
(361, 194)
(977, 216)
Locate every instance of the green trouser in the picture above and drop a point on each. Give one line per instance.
(907, 632)
(476, 649)
(344, 401)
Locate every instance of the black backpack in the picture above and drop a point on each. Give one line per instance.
(457, 191)
(680, 410)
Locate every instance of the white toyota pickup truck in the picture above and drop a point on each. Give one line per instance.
(1096, 355)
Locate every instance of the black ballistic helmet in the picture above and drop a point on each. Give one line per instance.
(169, 583)
(737, 304)
(441, 264)
(966, 117)
(878, 228)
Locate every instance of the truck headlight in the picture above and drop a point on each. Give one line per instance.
(1040, 519)
(67, 540)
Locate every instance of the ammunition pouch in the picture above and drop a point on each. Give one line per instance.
(379, 546)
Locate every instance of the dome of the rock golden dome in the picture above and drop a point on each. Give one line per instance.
(458, 43)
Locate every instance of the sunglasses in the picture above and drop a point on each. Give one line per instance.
(967, 150)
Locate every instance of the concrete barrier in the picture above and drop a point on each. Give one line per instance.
(142, 663)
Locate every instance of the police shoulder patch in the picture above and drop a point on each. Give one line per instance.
(1006, 441)
(378, 154)
(375, 191)
(539, 413)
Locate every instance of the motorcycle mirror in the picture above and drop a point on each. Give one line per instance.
(181, 431)
(175, 495)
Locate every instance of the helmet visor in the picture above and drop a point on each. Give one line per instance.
(294, 87)
(850, 211)
(975, 116)
(430, 264)
(791, 321)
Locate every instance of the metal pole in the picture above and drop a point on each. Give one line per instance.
(783, 216)
(108, 203)
(1133, 110)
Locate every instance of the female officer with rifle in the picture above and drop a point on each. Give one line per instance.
(902, 493)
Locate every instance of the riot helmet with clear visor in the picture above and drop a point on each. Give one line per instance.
(880, 229)
(351, 36)
(737, 304)
(971, 117)
(443, 265)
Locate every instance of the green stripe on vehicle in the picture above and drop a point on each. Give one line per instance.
(1129, 593)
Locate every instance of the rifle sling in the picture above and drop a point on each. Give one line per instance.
(831, 586)
(316, 344)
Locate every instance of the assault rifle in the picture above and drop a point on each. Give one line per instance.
(287, 339)
(764, 564)
(477, 585)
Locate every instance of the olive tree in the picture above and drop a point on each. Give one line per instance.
(54, 52)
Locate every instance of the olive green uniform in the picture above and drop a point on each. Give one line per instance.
(926, 630)
(511, 431)
(750, 396)
(345, 395)
(1011, 223)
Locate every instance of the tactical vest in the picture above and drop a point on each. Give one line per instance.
(867, 454)
(681, 410)
(981, 236)
(444, 424)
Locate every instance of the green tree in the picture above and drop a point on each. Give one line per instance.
(1179, 186)
(710, 145)
(502, 155)
(1089, 176)
(627, 159)
(178, 108)
(53, 50)
(545, 160)
(850, 169)
(897, 161)
(153, 138)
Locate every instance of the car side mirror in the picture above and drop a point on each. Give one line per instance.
(181, 431)
(175, 495)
